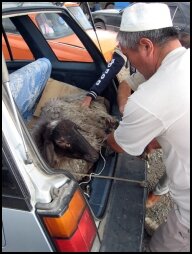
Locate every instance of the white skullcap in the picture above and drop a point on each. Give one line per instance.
(145, 16)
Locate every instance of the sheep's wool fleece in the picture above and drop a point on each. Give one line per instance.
(93, 123)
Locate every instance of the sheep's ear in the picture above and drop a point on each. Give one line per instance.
(49, 153)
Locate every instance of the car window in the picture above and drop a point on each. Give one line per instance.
(19, 48)
(9, 26)
(61, 38)
(52, 26)
(80, 17)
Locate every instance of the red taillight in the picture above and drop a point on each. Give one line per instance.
(74, 230)
(66, 224)
(83, 237)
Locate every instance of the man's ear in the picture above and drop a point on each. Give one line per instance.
(146, 46)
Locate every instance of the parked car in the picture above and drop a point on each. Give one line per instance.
(61, 37)
(116, 5)
(110, 19)
(45, 209)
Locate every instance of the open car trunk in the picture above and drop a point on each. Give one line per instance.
(120, 203)
(96, 190)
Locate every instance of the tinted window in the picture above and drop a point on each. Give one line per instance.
(18, 47)
(61, 38)
(52, 26)
(9, 26)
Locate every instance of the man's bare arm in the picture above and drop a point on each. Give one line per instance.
(112, 143)
(124, 91)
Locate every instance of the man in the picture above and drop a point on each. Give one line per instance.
(128, 83)
(159, 109)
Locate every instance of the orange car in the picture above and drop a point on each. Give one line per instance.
(60, 37)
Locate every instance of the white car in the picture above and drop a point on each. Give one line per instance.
(45, 209)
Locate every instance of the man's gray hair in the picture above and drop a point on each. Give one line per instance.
(157, 36)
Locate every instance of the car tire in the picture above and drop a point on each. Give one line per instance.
(100, 25)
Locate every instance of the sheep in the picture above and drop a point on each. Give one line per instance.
(92, 123)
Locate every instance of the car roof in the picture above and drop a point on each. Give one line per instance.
(113, 11)
(17, 7)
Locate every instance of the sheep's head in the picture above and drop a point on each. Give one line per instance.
(65, 139)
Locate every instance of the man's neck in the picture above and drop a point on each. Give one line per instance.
(163, 51)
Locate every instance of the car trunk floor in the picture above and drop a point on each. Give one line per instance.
(124, 228)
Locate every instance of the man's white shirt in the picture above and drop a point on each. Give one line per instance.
(160, 108)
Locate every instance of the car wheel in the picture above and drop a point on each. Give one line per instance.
(100, 25)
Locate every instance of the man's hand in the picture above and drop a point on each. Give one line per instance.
(86, 101)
